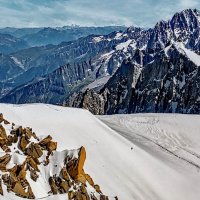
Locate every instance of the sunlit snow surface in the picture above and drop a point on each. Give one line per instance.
(143, 156)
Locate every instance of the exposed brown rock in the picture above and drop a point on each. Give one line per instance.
(34, 175)
(64, 186)
(93, 197)
(6, 122)
(103, 197)
(53, 186)
(34, 150)
(45, 141)
(3, 120)
(70, 195)
(52, 146)
(97, 188)
(65, 174)
(28, 133)
(75, 166)
(23, 142)
(72, 178)
(3, 141)
(81, 196)
(32, 163)
(17, 131)
(15, 138)
(19, 190)
(3, 132)
(6, 149)
(1, 117)
(4, 160)
(22, 174)
(1, 189)
(10, 140)
(89, 179)
(30, 194)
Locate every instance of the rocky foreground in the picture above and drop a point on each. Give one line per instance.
(25, 158)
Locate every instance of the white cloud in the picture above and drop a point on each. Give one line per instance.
(144, 13)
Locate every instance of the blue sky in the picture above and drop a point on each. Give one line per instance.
(39, 13)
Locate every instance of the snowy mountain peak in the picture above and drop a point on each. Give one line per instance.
(185, 20)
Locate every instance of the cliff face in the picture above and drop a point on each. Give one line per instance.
(27, 161)
(170, 83)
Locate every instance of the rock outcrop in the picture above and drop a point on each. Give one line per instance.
(32, 157)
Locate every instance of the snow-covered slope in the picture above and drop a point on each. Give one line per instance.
(173, 143)
(134, 165)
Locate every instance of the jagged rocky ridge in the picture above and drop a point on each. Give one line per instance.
(27, 160)
(103, 55)
(170, 83)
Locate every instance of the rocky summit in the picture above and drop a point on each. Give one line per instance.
(169, 84)
(26, 160)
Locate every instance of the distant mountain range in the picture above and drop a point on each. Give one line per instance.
(9, 44)
(47, 35)
(136, 70)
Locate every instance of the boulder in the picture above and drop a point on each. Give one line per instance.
(28, 133)
(4, 160)
(75, 166)
(64, 174)
(93, 197)
(53, 186)
(10, 140)
(45, 141)
(34, 150)
(64, 186)
(81, 196)
(34, 175)
(22, 174)
(30, 194)
(89, 179)
(32, 163)
(23, 142)
(52, 146)
(6, 148)
(17, 131)
(3, 120)
(3, 132)
(71, 195)
(97, 188)
(19, 190)
(1, 117)
(3, 141)
(103, 197)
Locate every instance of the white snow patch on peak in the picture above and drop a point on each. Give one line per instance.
(98, 39)
(17, 62)
(123, 45)
(195, 58)
(167, 49)
(118, 36)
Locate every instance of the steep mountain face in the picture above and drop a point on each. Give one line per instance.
(52, 88)
(115, 95)
(9, 44)
(105, 54)
(91, 51)
(27, 160)
(170, 83)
